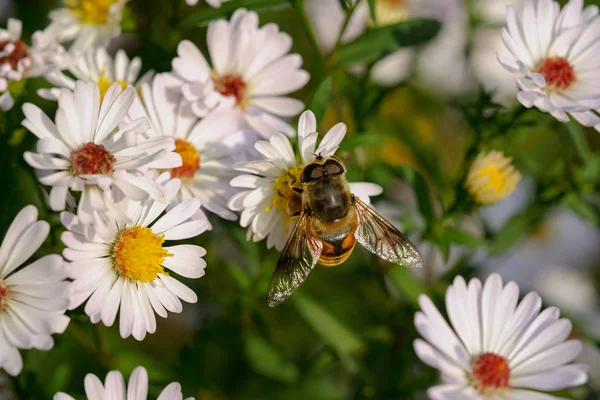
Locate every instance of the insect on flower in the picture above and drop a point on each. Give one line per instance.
(330, 222)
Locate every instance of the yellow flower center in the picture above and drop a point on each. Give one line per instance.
(93, 12)
(138, 254)
(491, 178)
(104, 82)
(389, 12)
(190, 158)
(494, 177)
(286, 198)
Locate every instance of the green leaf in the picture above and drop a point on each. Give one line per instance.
(206, 15)
(320, 99)
(408, 285)
(379, 41)
(372, 5)
(265, 360)
(334, 332)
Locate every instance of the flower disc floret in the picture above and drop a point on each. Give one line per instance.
(92, 159)
(138, 254)
(190, 158)
(3, 295)
(491, 178)
(17, 54)
(491, 374)
(94, 12)
(231, 85)
(104, 82)
(557, 72)
(284, 189)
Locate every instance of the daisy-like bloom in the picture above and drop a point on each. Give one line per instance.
(554, 55)
(494, 348)
(88, 23)
(96, 65)
(33, 299)
(201, 143)
(86, 151)
(19, 61)
(491, 177)
(114, 388)
(121, 265)
(251, 73)
(264, 206)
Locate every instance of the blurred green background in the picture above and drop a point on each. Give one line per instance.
(348, 332)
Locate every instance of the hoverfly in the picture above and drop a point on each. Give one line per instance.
(330, 222)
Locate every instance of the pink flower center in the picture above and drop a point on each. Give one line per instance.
(491, 373)
(19, 53)
(91, 159)
(231, 85)
(558, 73)
(3, 296)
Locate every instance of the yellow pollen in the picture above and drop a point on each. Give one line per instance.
(104, 82)
(93, 12)
(138, 254)
(285, 198)
(190, 158)
(491, 178)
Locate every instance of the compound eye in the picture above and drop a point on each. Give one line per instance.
(333, 167)
(311, 172)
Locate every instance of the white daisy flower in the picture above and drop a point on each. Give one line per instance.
(19, 61)
(554, 55)
(33, 300)
(86, 151)
(201, 143)
(494, 348)
(264, 206)
(87, 23)
(250, 74)
(96, 65)
(114, 388)
(121, 265)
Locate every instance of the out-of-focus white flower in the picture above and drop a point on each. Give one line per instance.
(203, 144)
(19, 61)
(114, 388)
(87, 23)
(121, 265)
(496, 348)
(563, 238)
(96, 65)
(441, 64)
(33, 300)
(87, 151)
(250, 74)
(553, 54)
(270, 182)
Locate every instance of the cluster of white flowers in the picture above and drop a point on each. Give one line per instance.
(138, 160)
